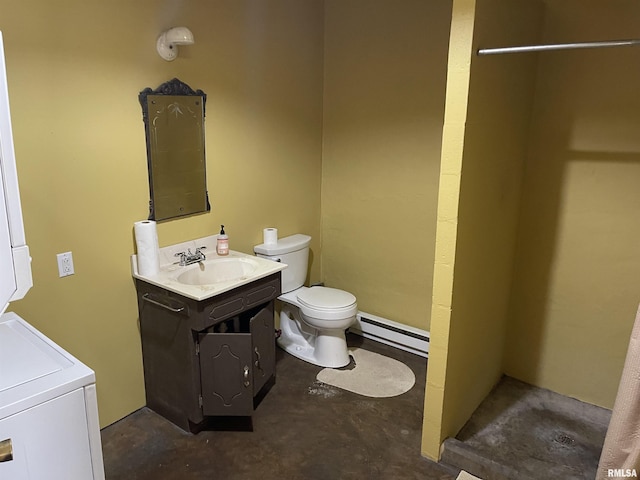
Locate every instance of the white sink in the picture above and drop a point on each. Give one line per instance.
(211, 277)
(217, 270)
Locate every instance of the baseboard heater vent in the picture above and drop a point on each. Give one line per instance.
(397, 335)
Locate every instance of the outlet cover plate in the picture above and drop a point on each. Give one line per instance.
(65, 264)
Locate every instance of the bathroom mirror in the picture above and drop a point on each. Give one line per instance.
(173, 117)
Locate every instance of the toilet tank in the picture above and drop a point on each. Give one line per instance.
(292, 250)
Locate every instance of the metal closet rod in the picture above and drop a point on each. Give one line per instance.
(558, 46)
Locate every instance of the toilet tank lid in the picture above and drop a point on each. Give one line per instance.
(284, 245)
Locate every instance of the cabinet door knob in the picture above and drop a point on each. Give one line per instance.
(257, 364)
(246, 376)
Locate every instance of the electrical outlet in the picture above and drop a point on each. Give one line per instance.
(65, 264)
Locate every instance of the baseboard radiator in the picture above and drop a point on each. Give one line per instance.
(392, 333)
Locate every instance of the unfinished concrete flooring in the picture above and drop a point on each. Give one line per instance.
(302, 429)
(307, 430)
(521, 432)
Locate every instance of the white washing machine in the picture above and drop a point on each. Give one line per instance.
(49, 427)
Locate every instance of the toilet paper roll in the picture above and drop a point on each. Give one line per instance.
(147, 247)
(270, 236)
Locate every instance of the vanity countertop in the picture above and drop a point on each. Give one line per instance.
(170, 271)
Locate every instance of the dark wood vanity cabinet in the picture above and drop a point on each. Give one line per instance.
(207, 358)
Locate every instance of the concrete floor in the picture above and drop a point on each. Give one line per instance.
(527, 433)
(307, 430)
(302, 429)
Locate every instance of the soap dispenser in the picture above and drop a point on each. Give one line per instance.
(222, 247)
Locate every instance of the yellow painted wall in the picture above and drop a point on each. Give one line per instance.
(75, 69)
(564, 321)
(576, 285)
(463, 16)
(484, 150)
(384, 78)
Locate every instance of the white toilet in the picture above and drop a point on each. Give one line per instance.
(313, 320)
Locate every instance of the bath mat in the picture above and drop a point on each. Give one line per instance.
(466, 476)
(373, 375)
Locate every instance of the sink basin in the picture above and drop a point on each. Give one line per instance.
(217, 270)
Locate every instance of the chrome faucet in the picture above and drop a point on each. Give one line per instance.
(187, 258)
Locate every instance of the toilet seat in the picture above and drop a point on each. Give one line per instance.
(326, 303)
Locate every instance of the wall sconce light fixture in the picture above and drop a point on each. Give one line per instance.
(168, 42)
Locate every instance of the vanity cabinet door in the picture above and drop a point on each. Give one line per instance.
(226, 373)
(264, 347)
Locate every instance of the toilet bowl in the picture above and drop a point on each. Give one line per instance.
(313, 320)
(314, 330)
